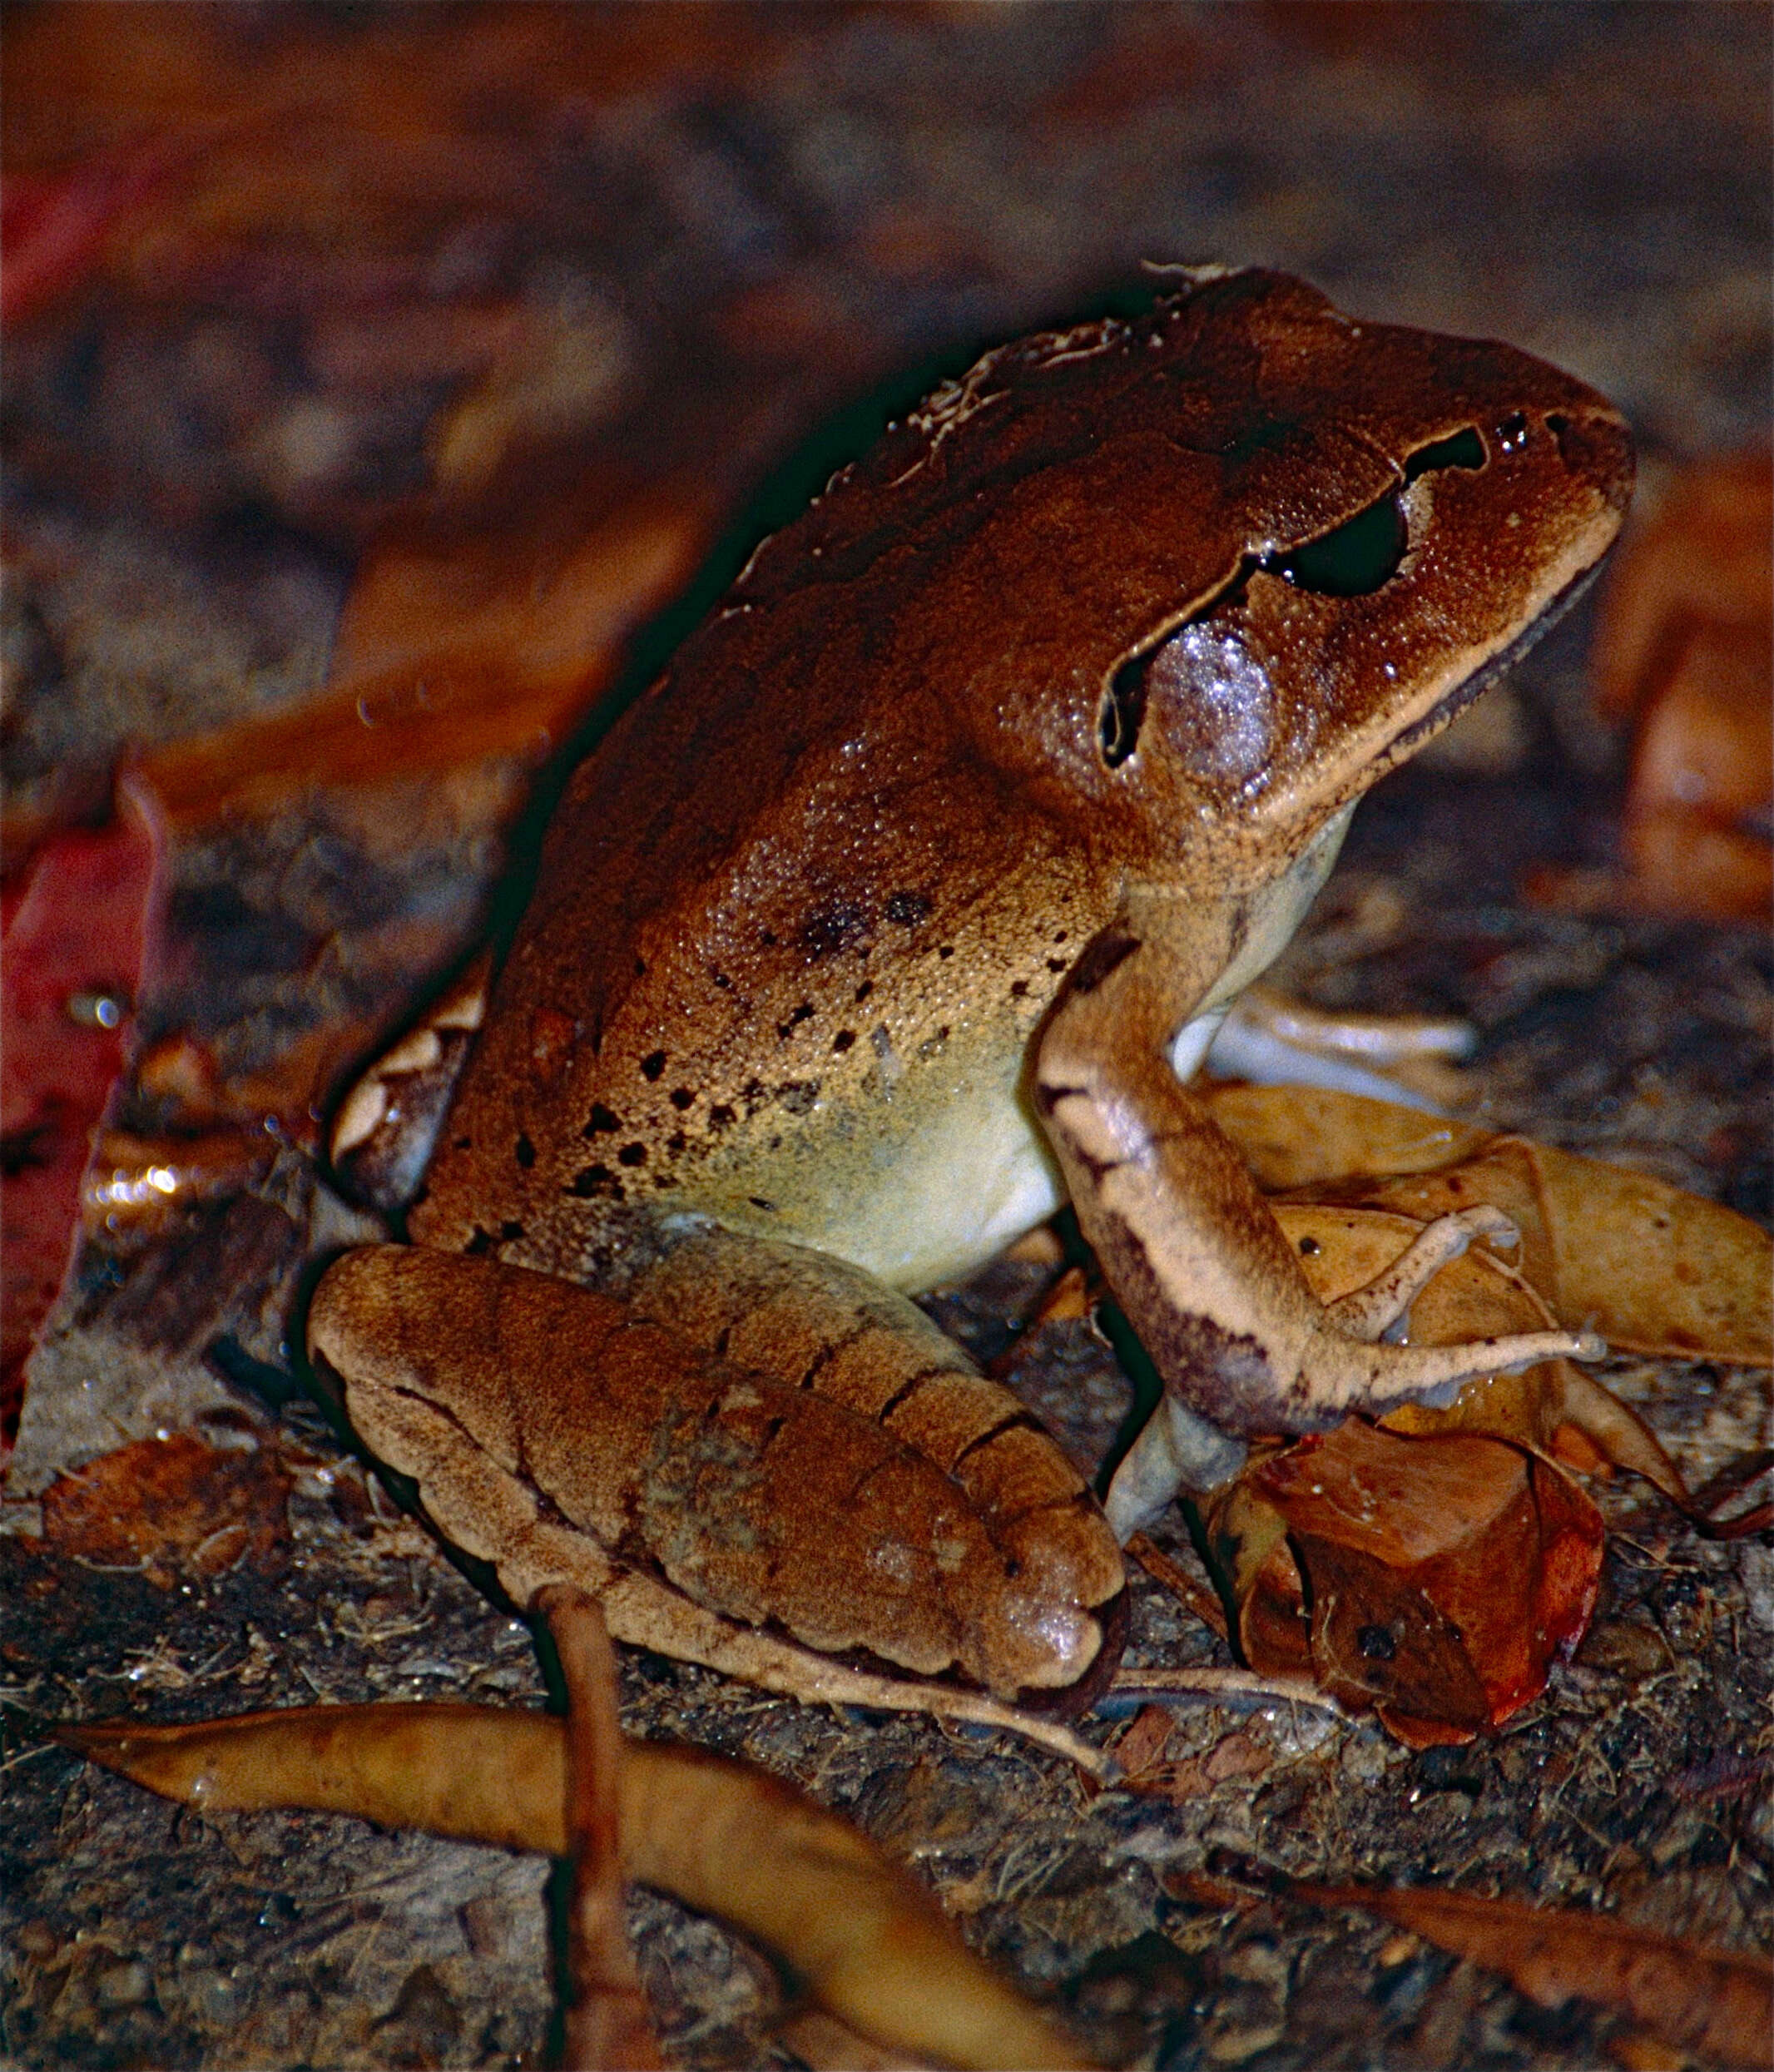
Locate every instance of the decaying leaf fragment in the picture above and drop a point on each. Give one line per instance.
(1656, 1269)
(863, 1940)
(1433, 1577)
(1717, 2003)
(172, 1507)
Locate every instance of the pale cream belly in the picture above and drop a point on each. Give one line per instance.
(942, 1173)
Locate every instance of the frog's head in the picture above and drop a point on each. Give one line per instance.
(1203, 577)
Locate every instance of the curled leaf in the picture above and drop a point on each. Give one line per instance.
(1653, 1268)
(1433, 1579)
(868, 1944)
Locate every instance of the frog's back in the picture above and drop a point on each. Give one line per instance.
(817, 888)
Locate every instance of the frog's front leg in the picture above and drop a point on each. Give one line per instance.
(796, 1467)
(1197, 1260)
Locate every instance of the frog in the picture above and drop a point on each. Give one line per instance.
(897, 913)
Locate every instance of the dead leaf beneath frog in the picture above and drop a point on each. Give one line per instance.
(1656, 1269)
(172, 1507)
(1431, 1574)
(865, 1939)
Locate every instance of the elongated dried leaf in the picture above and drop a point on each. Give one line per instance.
(1715, 2002)
(1656, 1269)
(868, 1944)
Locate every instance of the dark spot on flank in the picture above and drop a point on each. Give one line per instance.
(768, 937)
(594, 1182)
(722, 979)
(720, 1116)
(632, 1155)
(509, 1232)
(640, 967)
(946, 950)
(1018, 988)
(1060, 935)
(803, 1013)
(682, 1098)
(653, 1064)
(864, 989)
(797, 1096)
(1056, 963)
(678, 1141)
(830, 929)
(906, 909)
(602, 1119)
(464, 1143)
(758, 1202)
(480, 1244)
(842, 1041)
(526, 1152)
(1310, 1246)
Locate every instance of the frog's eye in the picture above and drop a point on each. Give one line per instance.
(1363, 552)
(1359, 555)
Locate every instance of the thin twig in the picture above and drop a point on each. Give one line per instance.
(608, 2025)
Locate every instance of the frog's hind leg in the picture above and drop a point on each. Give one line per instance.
(798, 1479)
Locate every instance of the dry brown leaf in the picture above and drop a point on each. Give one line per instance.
(1684, 652)
(1434, 1579)
(1445, 1575)
(1656, 1269)
(870, 1944)
(1300, 1136)
(172, 1507)
(1557, 1408)
(1715, 2002)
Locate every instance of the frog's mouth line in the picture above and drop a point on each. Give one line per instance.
(1470, 689)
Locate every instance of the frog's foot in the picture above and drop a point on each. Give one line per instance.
(1410, 1059)
(798, 1458)
(1382, 1309)
(387, 1125)
(1177, 1454)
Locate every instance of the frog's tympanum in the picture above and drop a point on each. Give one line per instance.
(896, 913)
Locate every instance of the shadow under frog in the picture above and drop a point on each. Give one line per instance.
(896, 913)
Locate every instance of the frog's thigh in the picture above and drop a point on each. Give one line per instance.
(569, 1434)
(1202, 1267)
(821, 1327)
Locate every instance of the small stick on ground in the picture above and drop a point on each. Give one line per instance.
(608, 2024)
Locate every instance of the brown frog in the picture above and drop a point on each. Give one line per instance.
(896, 913)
